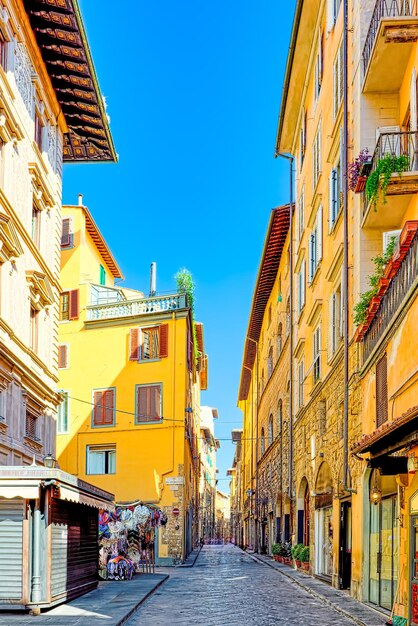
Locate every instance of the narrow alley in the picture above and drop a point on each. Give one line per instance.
(226, 586)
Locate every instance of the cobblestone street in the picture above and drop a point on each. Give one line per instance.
(226, 586)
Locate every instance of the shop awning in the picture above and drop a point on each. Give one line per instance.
(66, 493)
(391, 436)
(29, 490)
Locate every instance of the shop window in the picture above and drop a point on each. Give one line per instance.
(148, 403)
(101, 459)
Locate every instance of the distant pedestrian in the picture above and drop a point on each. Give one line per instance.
(202, 542)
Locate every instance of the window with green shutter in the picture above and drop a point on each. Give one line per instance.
(102, 275)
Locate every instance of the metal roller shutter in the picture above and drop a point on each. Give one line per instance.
(11, 548)
(74, 548)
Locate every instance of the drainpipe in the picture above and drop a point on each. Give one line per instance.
(36, 557)
(346, 234)
(290, 159)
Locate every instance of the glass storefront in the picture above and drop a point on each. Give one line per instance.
(384, 543)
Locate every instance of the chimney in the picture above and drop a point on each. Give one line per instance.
(153, 280)
(80, 199)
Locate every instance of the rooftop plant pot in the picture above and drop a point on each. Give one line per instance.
(360, 184)
(305, 566)
(298, 563)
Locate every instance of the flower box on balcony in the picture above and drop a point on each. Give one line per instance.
(360, 184)
(389, 272)
(374, 304)
(382, 287)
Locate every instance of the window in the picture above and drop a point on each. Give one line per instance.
(315, 246)
(270, 362)
(149, 343)
(303, 138)
(149, 346)
(38, 130)
(66, 233)
(288, 316)
(36, 225)
(318, 67)
(69, 305)
(333, 7)
(32, 426)
(301, 214)
(34, 329)
(317, 354)
(62, 356)
(382, 391)
(271, 431)
(269, 315)
(102, 275)
(301, 282)
(316, 158)
(279, 339)
(335, 190)
(62, 417)
(104, 407)
(101, 459)
(335, 322)
(262, 442)
(148, 403)
(301, 380)
(3, 52)
(338, 79)
(280, 416)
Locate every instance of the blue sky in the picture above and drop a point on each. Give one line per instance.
(193, 91)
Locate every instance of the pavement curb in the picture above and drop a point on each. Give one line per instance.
(314, 593)
(194, 559)
(128, 615)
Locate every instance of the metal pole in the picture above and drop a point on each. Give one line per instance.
(346, 234)
(36, 557)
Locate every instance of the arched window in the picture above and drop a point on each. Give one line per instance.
(270, 362)
(279, 339)
(280, 416)
(271, 433)
(288, 316)
(263, 442)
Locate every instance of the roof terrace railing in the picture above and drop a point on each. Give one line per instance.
(132, 308)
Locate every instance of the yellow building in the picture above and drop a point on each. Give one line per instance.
(130, 375)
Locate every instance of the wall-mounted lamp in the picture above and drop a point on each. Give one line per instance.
(49, 461)
(375, 492)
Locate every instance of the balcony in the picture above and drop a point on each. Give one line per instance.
(388, 212)
(134, 308)
(404, 279)
(392, 32)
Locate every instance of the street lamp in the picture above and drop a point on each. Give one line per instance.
(49, 461)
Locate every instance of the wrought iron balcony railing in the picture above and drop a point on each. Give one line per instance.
(393, 298)
(386, 9)
(398, 144)
(131, 308)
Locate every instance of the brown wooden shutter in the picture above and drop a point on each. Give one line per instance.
(109, 406)
(134, 344)
(65, 233)
(382, 391)
(98, 410)
(155, 408)
(163, 346)
(62, 356)
(73, 304)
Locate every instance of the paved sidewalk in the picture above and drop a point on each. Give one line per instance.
(112, 603)
(339, 600)
(191, 559)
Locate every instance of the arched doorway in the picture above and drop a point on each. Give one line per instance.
(303, 513)
(384, 539)
(324, 532)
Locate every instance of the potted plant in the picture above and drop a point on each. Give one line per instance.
(304, 555)
(276, 550)
(287, 552)
(378, 181)
(296, 550)
(358, 170)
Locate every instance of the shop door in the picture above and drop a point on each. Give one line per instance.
(345, 545)
(323, 543)
(414, 572)
(383, 552)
